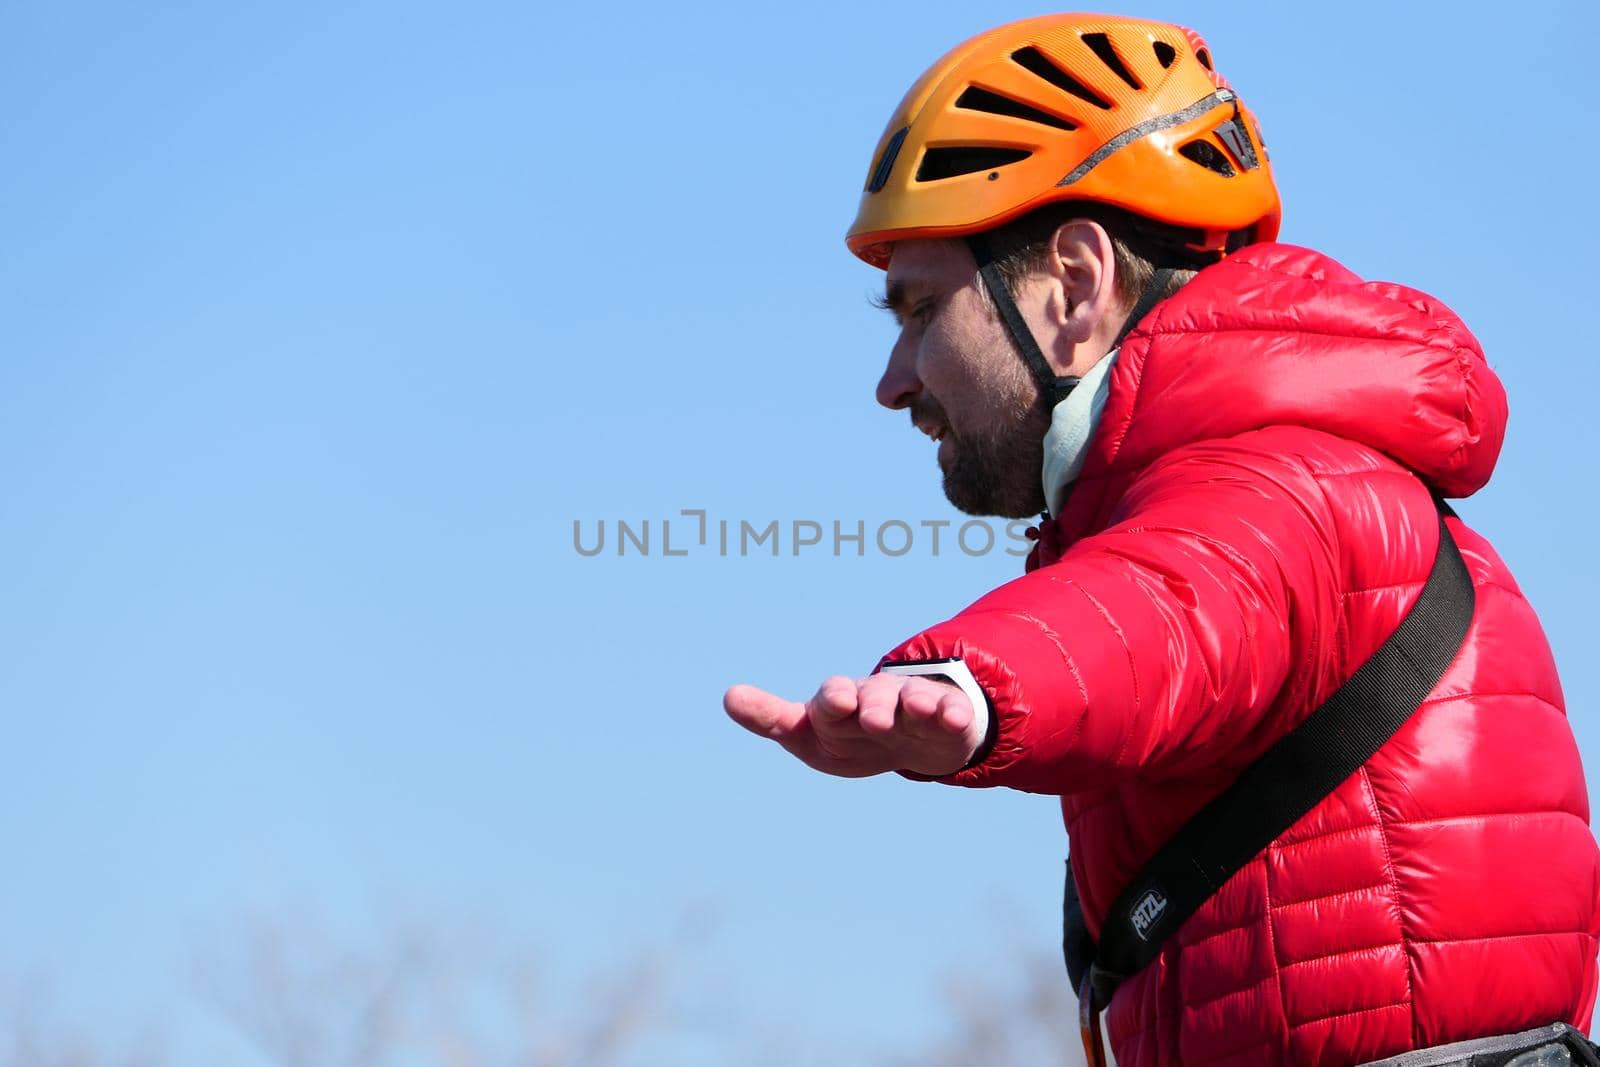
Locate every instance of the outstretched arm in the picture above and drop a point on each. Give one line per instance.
(1158, 646)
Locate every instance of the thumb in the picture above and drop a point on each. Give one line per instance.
(762, 713)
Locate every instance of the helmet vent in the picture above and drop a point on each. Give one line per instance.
(940, 163)
(976, 99)
(1208, 156)
(1034, 61)
(1101, 44)
(880, 173)
(1165, 54)
(1205, 59)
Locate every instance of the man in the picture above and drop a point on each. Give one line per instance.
(1242, 451)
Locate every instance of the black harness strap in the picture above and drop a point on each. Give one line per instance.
(1294, 775)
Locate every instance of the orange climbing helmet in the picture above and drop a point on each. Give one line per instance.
(1069, 107)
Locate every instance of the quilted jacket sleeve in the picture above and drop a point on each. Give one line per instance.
(1165, 642)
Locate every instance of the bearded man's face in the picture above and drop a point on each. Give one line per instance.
(955, 368)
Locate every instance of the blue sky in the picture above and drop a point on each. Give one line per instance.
(321, 324)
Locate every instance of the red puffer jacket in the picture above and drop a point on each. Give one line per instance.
(1252, 522)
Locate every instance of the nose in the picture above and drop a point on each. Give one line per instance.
(900, 386)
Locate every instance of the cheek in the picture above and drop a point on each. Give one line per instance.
(951, 364)
(968, 365)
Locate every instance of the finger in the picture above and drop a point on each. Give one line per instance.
(878, 698)
(835, 700)
(919, 702)
(763, 713)
(955, 712)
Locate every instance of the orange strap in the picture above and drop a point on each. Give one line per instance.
(1094, 1047)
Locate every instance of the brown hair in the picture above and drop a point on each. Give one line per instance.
(1141, 246)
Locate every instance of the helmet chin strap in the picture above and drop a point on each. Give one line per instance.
(1053, 388)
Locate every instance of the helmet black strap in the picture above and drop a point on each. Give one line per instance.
(1153, 294)
(1053, 387)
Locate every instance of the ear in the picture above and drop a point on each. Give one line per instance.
(1083, 272)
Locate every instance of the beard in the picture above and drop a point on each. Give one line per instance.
(994, 470)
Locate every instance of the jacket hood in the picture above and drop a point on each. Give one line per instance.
(1278, 335)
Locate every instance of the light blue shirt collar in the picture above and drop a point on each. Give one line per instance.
(1072, 424)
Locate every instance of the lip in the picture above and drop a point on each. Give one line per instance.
(938, 433)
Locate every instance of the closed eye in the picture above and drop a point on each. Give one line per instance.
(894, 302)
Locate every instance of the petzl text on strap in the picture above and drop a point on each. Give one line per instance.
(1294, 775)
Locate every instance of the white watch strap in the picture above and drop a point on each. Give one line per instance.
(954, 671)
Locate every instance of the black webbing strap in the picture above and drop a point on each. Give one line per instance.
(1292, 777)
(1055, 389)
(1153, 294)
